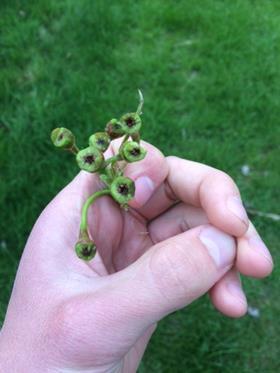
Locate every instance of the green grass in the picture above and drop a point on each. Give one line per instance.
(210, 74)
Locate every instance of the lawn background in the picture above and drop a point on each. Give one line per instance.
(210, 74)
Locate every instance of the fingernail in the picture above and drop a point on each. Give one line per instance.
(220, 246)
(235, 205)
(257, 244)
(235, 290)
(144, 188)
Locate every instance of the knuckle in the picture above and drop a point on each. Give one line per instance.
(172, 158)
(63, 321)
(216, 179)
(68, 323)
(68, 328)
(223, 177)
(173, 161)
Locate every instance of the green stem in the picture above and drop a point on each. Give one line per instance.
(124, 140)
(113, 159)
(89, 201)
(75, 150)
(141, 103)
(113, 170)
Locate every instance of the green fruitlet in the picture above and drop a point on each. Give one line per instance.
(110, 171)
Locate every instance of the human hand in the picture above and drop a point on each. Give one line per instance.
(66, 315)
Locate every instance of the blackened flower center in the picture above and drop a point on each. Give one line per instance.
(86, 251)
(60, 137)
(115, 126)
(135, 151)
(130, 122)
(101, 142)
(89, 159)
(123, 189)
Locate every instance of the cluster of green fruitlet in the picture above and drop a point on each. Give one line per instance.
(110, 171)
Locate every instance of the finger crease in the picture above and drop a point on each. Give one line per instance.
(184, 226)
(169, 193)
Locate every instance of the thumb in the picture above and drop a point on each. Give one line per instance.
(169, 276)
(173, 273)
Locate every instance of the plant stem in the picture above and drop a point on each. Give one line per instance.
(141, 103)
(89, 201)
(75, 150)
(124, 140)
(113, 159)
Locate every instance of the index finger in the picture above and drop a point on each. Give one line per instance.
(203, 186)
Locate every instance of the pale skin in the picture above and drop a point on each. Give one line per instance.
(185, 235)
